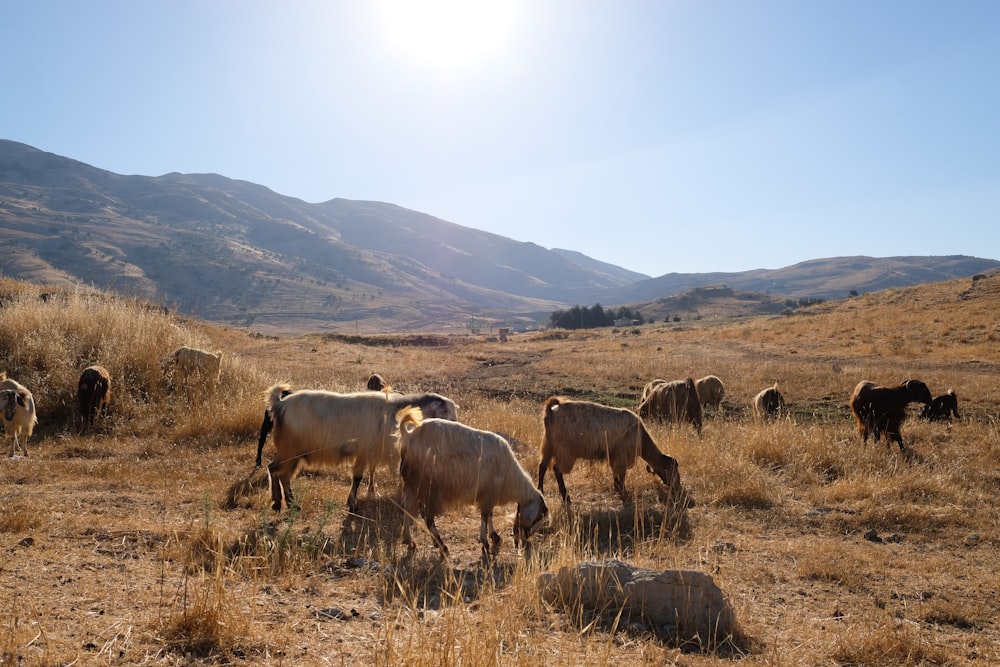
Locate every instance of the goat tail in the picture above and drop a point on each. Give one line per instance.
(29, 405)
(274, 394)
(551, 403)
(410, 415)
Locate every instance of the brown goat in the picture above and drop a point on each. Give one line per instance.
(768, 403)
(879, 410)
(648, 389)
(594, 432)
(377, 383)
(942, 408)
(674, 401)
(93, 394)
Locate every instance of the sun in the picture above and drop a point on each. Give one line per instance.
(448, 35)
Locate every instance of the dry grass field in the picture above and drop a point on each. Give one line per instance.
(119, 546)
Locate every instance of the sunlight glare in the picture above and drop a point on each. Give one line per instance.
(448, 35)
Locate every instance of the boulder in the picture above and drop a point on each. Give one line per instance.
(680, 606)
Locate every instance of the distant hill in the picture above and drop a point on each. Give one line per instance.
(235, 252)
(829, 278)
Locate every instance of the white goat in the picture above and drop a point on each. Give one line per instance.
(192, 363)
(446, 463)
(594, 432)
(19, 418)
(322, 428)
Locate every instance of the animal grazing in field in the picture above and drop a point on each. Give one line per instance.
(768, 403)
(322, 428)
(710, 391)
(675, 402)
(377, 383)
(446, 463)
(594, 432)
(93, 394)
(648, 389)
(942, 408)
(879, 410)
(192, 364)
(19, 418)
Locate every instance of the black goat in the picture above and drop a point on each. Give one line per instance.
(879, 410)
(942, 408)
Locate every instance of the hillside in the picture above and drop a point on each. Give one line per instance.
(238, 253)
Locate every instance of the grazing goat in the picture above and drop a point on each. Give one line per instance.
(942, 408)
(648, 389)
(674, 401)
(93, 393)
(768, 403)
(445, 463)
(594, 432)
(323, 428)
(710, 391)
(19, 418)
(879, 410)
(377, 383)
(192, 363)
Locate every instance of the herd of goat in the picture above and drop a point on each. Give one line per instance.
(444, 463)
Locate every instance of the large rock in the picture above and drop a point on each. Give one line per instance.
(680, 605)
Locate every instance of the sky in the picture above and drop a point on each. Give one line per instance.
(661, 136)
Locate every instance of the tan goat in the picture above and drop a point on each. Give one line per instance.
(594, 432)
(710, 391)
(446, 464)
(322, 428)
(767, 403)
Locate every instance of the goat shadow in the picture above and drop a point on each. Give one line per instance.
(375, 528)
(618, 531)
(426, 581)
(430, 582)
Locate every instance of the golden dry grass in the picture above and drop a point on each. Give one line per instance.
(120, 548)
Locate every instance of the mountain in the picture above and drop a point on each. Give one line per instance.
(236, 252)
(818, 278)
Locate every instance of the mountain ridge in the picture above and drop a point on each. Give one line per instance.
(237, 252)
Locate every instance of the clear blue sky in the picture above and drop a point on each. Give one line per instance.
(659, 135)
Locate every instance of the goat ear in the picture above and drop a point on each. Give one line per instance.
(21, 401)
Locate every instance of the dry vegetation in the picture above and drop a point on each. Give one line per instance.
(119, 548)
